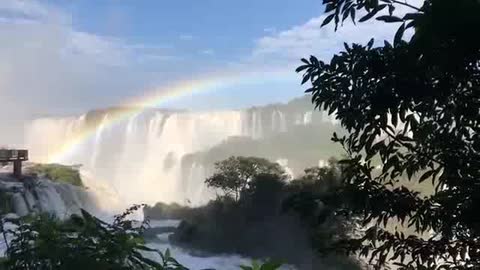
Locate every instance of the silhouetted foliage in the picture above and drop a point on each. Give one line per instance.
(265, 193)
(313, 197)
(166, 211)
(83, 242)
(268, 265)
(413, 106)
(233, 174)
(264, 221)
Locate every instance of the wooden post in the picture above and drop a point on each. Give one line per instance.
(17, 169)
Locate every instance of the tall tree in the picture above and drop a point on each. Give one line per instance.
(233, 174)
(414, 107)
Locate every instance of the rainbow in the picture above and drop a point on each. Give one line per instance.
(159, 96)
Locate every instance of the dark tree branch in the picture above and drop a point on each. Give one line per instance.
(406, 5)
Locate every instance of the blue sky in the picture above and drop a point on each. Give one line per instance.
(209, 24)
(66, 57)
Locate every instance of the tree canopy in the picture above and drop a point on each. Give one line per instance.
(234, 173)
(412, 107)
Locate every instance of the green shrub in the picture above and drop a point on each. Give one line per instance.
(83, 242)
(58, 173)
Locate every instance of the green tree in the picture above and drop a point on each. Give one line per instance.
(314, 198)
(233, 175)
(419, 101)
(264, 195)
(318, 179)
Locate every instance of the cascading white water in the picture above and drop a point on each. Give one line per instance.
(195, 173)
(97, 141)
(307, 118)
(279, 124)
(43, 195)
(140, 157)
(256, 126)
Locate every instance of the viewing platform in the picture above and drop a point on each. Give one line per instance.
(17, 156)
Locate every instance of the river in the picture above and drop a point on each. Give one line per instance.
(194, 260)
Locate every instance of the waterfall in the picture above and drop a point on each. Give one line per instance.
(307, 118)
(194, 183)
(139, 158)
(141, 155)
(42, 195)
(257, 128)
(98, 137)
(278, 121)
(283, 121)
(19, 204)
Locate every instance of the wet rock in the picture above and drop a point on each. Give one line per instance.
(183, 233)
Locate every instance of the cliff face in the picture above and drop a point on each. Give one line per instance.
(164, 155)
(41, 196)
(36, 194)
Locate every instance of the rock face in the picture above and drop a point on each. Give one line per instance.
(34, 195)
(183, 233)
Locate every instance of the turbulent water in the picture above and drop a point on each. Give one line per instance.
(143, 157)
(192, 260)
(31, 196)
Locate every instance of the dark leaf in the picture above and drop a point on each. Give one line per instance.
(389, 19)
(391, 9)
(370, 43)
(329, 7)
(368, 16)
(399, 35)
(301, 68)
(305, 79)
(426, 175)
(412, 16)
(328, 20)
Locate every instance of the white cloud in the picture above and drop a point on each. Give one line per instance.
(48, 67)
(309, 39)
(300, 41)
